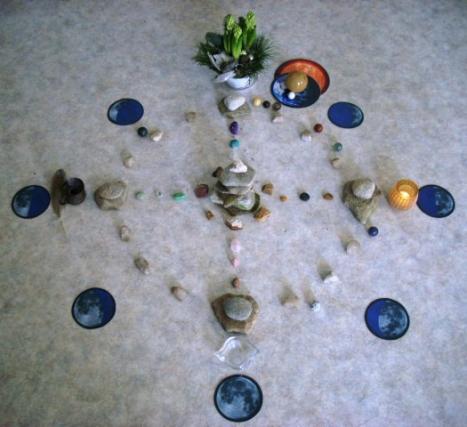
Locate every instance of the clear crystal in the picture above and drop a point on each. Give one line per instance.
(237, 352)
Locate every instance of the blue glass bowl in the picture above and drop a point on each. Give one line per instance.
(125, 112)
(30, 201)
(435, 201)
(93, 308)
(302, 99)
(387, 319)
(345, 115)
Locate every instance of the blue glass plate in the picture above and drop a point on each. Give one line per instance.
(387, 319)
(238, 398)
(345, 115)
(30, 201)
(93, 308)
(303, 99)
(435, 201)
(125, 111)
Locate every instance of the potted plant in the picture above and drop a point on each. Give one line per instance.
(239, 55)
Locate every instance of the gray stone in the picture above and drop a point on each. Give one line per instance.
(237, 308)
(363, 188)
(124, 233)
(111, 195)
(231, 325)
(142, 264)
(361, 209)
(190, 116)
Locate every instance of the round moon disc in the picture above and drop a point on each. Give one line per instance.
(345, 115)
(30, 201)
(435, 201)
(93, 308)
(302, 99)
(387, 319)
(238, 398)
(125, 112)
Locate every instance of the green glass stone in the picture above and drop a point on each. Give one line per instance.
(179, 197)
(337, 146)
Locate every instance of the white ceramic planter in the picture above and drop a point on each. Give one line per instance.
(239, 83)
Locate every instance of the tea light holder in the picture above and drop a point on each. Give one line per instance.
(403, 195)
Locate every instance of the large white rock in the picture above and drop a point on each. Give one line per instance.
(363, 188)
(233, 102)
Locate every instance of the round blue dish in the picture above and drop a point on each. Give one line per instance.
(302, 99)
(30, 201)
(435, 201)
(238, 398)
(93, 308)
(387, 319)
(125, 112)
(345, 115)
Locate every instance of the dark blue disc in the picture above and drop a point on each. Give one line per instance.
(345, 115)
(125, 111)
(238, 398)
(302, 99)
(30, 201)
(93, 308)
(435, 201)
(387, 319)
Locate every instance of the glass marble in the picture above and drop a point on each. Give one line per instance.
(93, 308)
(238, 398)
(30, 201)
(302, 99)
(435, 201)
(387, 319)
(125, 112)
(345, 115)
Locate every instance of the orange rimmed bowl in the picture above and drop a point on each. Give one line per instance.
(310, 68)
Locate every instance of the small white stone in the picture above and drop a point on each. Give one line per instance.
(238, 167)
(235, 262)
(233, 102)
(235, 246)
(306, 136)
(125, 233)
(291, 300)
(315, 306)
(291, 95)
(179, 292)
(352, 247)
(363, 188)
(336, 163)
(233, 223)
(156, 135)
(277, 118)
(127, 159)
(330, 278)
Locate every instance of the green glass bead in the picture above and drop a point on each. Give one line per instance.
(178, 197)
(337, 146)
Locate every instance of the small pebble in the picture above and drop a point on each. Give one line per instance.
(257, 101)
(267, 188)
(337, 146)
(156, 135)
(190, 116)
(318, 127)
(201, 191)
(262, 214)
(158, 194)
(124, 233)
(236, 282)
(291, 95)
(142, 131)
(179, 196)
(178, 292)
(234, 128)
(291, 300)
(328, 196)
(373, 231)
(277, 118)
(235, 262)
(336, 163)
(352, 247)
(234, 143)
(276, 106)
(233, 223)
(142, 265)
(140, 195)
(266, 104)
(304, 197)
(235, 246)
(209, 215)
(283, 198)
(330, 278)
(217, 173)
(127, 159)
(306, 136)
(315, 306)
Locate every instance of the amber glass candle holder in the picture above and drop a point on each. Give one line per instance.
(403, 195)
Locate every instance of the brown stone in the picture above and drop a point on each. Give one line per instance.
(263, 214)
(236, 282)
(267, 188)
(209, 215)
(233, 223)
(283, 198)
(218, 172)
(230, 325)
(328, 196)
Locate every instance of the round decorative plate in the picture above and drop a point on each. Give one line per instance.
(302, 99)
(238, 398)
(314, 70)
(125, 111)
(345, 115)
(435, 201)
(93, 308)
(387, 319)
(30, 201)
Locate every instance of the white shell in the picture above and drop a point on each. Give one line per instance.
(127, 159)
(233, 102)
(306, 136)
(156, 135)
(179, 292)
(277, 118)
(331, 278)
(238, 167)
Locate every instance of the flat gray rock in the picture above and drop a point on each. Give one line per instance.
(111, 195)
(237, 308)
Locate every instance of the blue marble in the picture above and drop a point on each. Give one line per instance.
(30, 201)
(435, 201)
(387, 319)
(302, 99)
(93, 308)
(125, 111)
(238, 398)
(345, 115)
